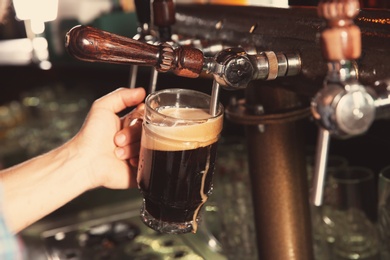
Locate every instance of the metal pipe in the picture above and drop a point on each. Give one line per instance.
(279, 180)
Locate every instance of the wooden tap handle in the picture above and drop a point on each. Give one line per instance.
(94, 45)
(341, 40)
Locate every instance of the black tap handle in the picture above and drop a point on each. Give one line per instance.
(142, 8)
(164, 17)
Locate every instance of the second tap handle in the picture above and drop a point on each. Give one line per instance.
(90, 44)
(142, 8)
(164, 17)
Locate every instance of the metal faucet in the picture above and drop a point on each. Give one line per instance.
(234, 68)
(343, 107)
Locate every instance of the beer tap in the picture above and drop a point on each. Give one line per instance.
(343, 107)
(232, 68)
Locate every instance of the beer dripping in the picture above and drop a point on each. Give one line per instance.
(343, 107)
(232, 68)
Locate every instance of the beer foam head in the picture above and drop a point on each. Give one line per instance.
(192, 128)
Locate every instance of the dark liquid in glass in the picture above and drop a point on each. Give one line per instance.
(173, 182)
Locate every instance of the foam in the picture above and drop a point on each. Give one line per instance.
(182, 137)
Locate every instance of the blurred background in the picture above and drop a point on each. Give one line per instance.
(46, 93)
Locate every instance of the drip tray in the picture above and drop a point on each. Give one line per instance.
(119, 235)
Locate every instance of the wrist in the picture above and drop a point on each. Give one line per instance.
(80, 165)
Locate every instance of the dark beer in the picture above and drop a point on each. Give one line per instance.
(176, 169)
(173, 182)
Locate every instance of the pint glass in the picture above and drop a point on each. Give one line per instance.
(177, 158)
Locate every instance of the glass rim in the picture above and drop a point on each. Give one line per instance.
(384, 173)
(365, 174)
(219, 113)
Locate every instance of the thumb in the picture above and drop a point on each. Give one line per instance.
(120, 99)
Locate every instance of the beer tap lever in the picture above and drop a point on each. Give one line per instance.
(232, 68)
(90, 44)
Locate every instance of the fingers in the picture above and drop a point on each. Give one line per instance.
(131, 127)
(120, 99)
(128, 138)
(129, 152)
(130, 133)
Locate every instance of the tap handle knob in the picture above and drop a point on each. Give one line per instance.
(94, 45)
(341, 39)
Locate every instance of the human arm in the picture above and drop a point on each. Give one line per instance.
(35, 188)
